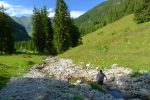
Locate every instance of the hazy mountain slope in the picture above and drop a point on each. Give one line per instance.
(123, 42)
(26, 22)
(104, 13)
(19, 31)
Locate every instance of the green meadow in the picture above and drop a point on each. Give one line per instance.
(16, 65)
(123, 42)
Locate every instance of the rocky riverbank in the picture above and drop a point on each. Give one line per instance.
(60, 79)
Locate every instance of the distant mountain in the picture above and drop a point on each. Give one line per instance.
(103, 14)
(26, 22)
(19, 31)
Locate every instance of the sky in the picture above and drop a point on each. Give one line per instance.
(25, 7)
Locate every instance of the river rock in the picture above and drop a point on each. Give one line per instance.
(49, 81)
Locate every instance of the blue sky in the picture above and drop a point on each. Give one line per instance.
(25, 7)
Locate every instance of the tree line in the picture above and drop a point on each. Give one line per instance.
(42, 30)
(48, 36)
(142, 11)
(112, 10)
(25, 46)
(6, 37)
(57, 37)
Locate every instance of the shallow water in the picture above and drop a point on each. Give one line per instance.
(117, 94)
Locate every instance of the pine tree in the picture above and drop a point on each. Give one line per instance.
(42, 31)
(48, 31)
(1, 29)
(6, 37)
(63, 27)
(38, 35)
(61, 35)
(75, 35)
(35, 28)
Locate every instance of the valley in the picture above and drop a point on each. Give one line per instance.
(101, 55)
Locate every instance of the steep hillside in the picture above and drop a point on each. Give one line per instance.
(19, 31)
(123, 42)
(26, 22)
(103, 14)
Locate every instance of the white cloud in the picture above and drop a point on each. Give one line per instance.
(5, 4)
(19, 10)
(51, 12)
(75, 14)
(16, 10)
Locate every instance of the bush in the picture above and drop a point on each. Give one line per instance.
(31, 63)
(94, 86)
(78, 98)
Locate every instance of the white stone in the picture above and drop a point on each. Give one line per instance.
(97, 68)
(79, 81)
(88, 65)
(115, 65)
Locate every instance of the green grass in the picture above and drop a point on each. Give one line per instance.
(78, 98)
(95, 86)
(123, 42)
(137, 74)
(16, 65)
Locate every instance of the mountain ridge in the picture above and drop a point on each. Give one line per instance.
(24, 21)
(100, 15)
(18, 31)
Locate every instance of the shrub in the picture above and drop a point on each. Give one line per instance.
(78, 98)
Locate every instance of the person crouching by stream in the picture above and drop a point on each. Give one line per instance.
(100, 77)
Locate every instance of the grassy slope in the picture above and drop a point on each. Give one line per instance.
(122, 42)
(16, 65)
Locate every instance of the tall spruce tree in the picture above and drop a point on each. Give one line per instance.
(38, 35)
(1, 32)
(61, 22)
(48, 31)
(35, 28)
(42, 31)
(6, 37)
(75, 35)
(63, 27)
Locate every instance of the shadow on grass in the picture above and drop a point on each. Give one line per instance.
(3, 80)
(40, 54)
(4, 77)
(18, 53)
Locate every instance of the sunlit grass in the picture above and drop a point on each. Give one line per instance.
(123, 42)
(16, 65)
